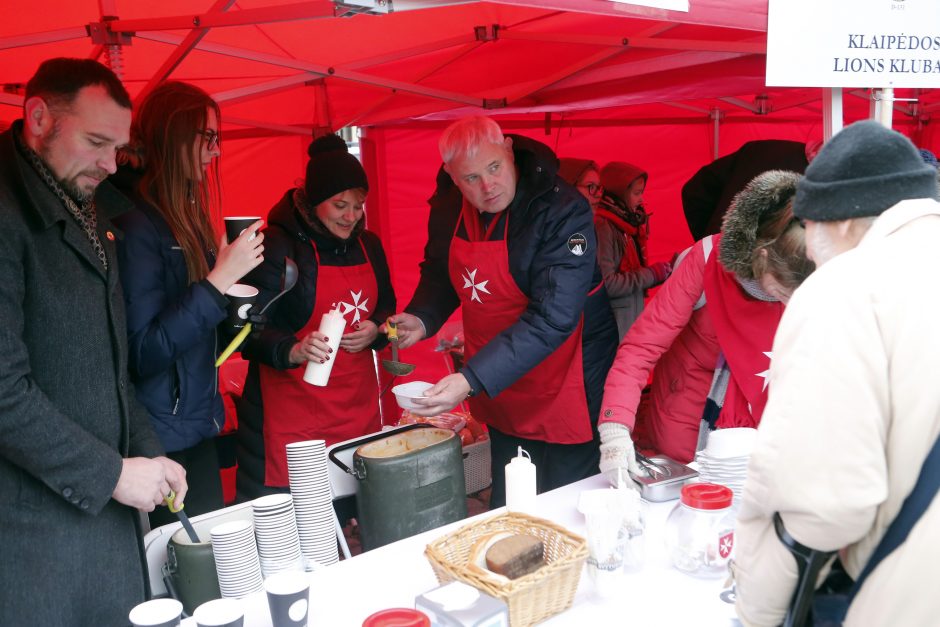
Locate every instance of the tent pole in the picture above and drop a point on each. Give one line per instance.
(832, 112)
(884, 106)
(716, 133)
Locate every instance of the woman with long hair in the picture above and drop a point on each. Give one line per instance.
(175, 276)
(708, 332)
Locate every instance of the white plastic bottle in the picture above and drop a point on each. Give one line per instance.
(520, 484)
(332, 325)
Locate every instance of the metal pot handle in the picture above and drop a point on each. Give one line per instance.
(372, 438)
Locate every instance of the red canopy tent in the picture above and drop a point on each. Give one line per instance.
(667, 90)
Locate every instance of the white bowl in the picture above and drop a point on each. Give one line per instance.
(406, 393)
(735, 442)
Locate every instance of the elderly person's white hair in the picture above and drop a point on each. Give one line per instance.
(465, 136)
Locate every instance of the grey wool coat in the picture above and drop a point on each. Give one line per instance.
(70, 554)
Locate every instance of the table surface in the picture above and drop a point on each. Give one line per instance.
(345, 593)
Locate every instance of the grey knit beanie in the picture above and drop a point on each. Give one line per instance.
(862, 171)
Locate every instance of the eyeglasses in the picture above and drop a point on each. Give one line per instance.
(592, 188)
(213, 138)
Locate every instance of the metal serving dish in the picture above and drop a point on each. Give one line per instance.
(665, 483)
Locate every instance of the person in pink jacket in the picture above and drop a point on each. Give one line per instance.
(707, 334)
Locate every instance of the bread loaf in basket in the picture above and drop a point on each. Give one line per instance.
(531, 598)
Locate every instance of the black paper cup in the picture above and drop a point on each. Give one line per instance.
(236, 224)
(156, 613)
(288, 598)
(240, 299)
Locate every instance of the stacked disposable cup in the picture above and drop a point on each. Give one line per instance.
(313, 501)
(724, 460)
(276, 533)
(236, 559)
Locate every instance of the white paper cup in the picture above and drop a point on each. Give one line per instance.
(220, 613)
(157, 613)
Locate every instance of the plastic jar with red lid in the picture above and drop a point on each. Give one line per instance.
(700, 530)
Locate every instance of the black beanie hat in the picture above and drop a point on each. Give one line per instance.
(331, 169)
(862, 171)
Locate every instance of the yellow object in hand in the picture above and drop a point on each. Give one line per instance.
(233, 345)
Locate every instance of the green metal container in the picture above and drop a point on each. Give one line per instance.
(191, 569)
(409, 482)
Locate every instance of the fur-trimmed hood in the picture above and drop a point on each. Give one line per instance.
(765, 195)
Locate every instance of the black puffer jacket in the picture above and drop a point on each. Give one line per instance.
(287, 235)
(544, 214)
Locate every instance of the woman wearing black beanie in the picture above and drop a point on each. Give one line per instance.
(321, 226)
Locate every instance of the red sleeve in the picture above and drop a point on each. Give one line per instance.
(650, 337)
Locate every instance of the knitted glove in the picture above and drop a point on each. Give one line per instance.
(661, 271)
(617, 454)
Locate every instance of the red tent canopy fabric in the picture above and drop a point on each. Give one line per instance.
(591, 78)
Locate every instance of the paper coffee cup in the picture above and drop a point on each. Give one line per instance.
(236, 224)
(220, 613)
(156, 613)
(288, 598)
(240, 299)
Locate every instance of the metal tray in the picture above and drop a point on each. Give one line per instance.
(667, 486)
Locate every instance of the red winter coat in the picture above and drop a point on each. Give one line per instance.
(680, 342)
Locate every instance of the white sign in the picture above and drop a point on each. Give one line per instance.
(853, 43)
(670, 5)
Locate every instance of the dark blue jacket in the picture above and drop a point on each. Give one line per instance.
(543, 216)
(171, 327)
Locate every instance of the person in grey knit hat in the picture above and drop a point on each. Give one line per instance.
(861, 172)
(852, 423)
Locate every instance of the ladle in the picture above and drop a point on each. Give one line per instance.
(394, 366)
(288, 281)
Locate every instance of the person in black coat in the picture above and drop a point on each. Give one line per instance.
(78, 455)
(513, 244)
(321, 227)
(708, 194)
(175, 278)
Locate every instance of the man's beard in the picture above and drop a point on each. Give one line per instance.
(72, 188)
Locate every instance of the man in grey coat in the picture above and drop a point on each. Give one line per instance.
(77, 454)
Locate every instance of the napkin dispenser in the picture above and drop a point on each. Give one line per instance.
(457, 604)
(665, 480)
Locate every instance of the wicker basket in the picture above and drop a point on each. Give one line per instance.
(477, 466)
(533, 597)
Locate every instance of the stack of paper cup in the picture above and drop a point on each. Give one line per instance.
(332, 325)
(236, 559)
(313, 501)
(276, 533)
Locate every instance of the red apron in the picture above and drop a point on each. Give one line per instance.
(745, 328)
(547, 403)
(348, 406)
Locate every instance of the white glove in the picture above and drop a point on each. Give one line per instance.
(618, 457)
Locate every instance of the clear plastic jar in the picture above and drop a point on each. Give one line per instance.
(700, 530)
